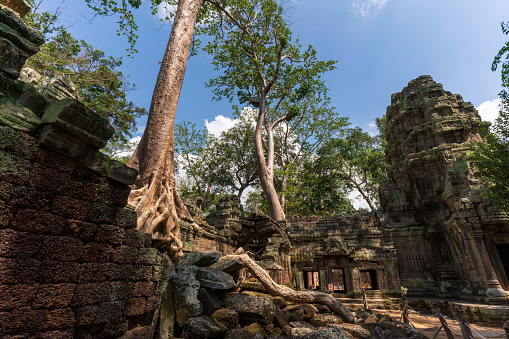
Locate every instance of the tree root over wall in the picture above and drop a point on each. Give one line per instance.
(289, 294)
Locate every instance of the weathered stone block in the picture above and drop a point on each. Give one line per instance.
(97, 252)
(58, 272)
(125, 254)
(55, 161)
(18, 143)
(142, 289)
(82, 230)
(126, 217)
(110, 234)
(94, 272)
(101, 213)
(14, 169)
(135, 306)
(70, 207)
(38, 222)
(109, 168)
(109, 311)
(215, 279)
(137, 239)
(48, 179)
(121, 272)
(141, 273)
(90, 294)
(85, 315)
(30, 198)
(148, 256)
(159, 273)
(199, 259)
(60, 318)
(14, 244)
(18, 271)
(119, 290)
(17, 296)
(204, 327)
(252, 309)
(23, 320)
(60, 248)
(54, 296)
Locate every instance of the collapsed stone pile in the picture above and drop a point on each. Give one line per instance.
(212, 297)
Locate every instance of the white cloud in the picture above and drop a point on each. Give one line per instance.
(164, 10)
(133, 144)
(219, 124)
(357, 200)
(488, 110)
(366, 8)
(372, 129)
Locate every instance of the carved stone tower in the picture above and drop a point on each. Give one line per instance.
(435, 213)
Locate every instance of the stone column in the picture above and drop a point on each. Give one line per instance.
(494, 290)
(17, 43)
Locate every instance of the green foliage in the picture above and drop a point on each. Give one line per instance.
(216, 166)
(315, 190)
(357, 159)
(491, 158)
(99, 83)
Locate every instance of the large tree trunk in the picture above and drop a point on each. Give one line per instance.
(266, 166)
(289, 294)
(154, 194)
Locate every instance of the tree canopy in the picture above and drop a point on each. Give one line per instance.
(99, 83)
(491, 157)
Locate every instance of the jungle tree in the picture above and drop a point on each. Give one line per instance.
(263, 66)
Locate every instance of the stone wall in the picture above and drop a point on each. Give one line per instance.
(437, 217)
(72, 263)
(354, 245)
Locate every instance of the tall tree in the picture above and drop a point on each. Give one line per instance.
(262, 66)
(491, 157)
(358, 158)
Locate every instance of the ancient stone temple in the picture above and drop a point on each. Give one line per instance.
(449, 244)
(349, 252)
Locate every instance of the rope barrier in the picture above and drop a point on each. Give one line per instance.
(475, 332)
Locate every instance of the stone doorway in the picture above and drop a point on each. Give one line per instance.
(311, 280)
(503, 254)
(368, 280)
(338, 280)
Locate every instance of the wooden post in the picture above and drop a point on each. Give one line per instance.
(404, 307)
(445, 326)
(364, 300)
(465, 329)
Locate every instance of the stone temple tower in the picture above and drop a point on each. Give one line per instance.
(447, 240)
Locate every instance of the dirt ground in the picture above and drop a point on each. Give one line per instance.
(429, 325)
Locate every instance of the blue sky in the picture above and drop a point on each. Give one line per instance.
(380, 45)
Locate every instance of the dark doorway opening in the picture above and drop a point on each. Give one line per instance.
(311, 280)
(503, 254)
(368, 280)
(338, 280)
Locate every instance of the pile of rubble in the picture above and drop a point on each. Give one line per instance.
(209, 296)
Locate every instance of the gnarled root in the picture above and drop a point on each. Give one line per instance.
(159, 208)
(291, 295)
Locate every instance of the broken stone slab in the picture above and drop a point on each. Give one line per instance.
(186, 287)
(209, 301)
(240, 333)
(167, 309)
(203, 328)
(251, 309)
(324, 333)
(227, 317)
(356, 331)
(301, 324)
(227, 265)
(73, 118)
(200, 259)
(215, 279)
(321, 320)
(256, 329)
